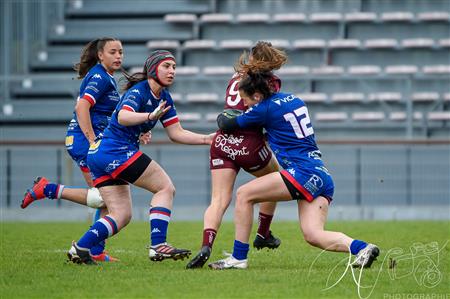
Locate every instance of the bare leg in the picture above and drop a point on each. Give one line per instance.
(118, 200)
(313, 216)
(270, 187)
(267, 207)
(156, 180)
(78, 195)
(222, 181)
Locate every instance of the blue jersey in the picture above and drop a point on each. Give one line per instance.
(100, 89)
(290, 133)
(139, 98)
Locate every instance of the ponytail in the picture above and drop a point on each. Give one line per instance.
(263, 57)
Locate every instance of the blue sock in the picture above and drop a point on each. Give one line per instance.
(100, 247)
(240, 250)
(356, 246)
(101, 230)
(159, 220)
(53, 191)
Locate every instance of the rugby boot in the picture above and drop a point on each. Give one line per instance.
(104, 257)
(229, 263)
(270, 242)
(77, 255)
(200, 259)
(366, 256)
(166, 251)
(35, 193)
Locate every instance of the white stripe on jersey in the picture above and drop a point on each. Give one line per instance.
(263, 153)
(90, 96)
(131, 108)
(169, 119)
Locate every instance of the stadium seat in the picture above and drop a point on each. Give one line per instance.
(218, 70)
(202, 98)
(401, 116)
(180, 18)
(187, 70)
(358, 16)
(385, 96)
(425, 96)
(347, 97)
(439, 116)
(309, 44)
(397, 16)
(252, 18)
(84, 9)
(189, 116)
(401, 69)
(446, 96)
(330, 116)
(199, 44)
(328, 70)
(216, 18)
(313, 97)
(368, 116)
(364, 70)
(344, 43)
(380, 43)
(444, 42)
(418, 43)
(325, 17)
(236, 44)
(211, 116)
(280, 43)
(433, 16)
(176, 97)
(436, 69)
(163, 44)
(293, 70)
(289, 17)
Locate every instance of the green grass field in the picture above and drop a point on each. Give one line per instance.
(33, 264)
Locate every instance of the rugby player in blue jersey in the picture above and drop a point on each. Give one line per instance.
(115, 160)
(304, 176)
(98, 97)
(244, 149)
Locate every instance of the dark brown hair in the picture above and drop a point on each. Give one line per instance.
(132, 79)
(89, 55)
(264, 58)
(257, 82)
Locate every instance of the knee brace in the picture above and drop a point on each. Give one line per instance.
(94, 200)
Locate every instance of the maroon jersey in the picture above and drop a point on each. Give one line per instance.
(243, 148)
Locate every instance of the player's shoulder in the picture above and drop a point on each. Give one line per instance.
(97, 73)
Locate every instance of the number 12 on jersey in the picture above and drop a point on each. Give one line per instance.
(300, 122)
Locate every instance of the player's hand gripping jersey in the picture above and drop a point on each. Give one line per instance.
(291, 137)
(100, 89)
(243, 148)
(119, 145)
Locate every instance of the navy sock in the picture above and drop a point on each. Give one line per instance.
(100, 247)
(356, 246)
(53, 191)
(101, 230)
(159, 221)
(240, 250)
